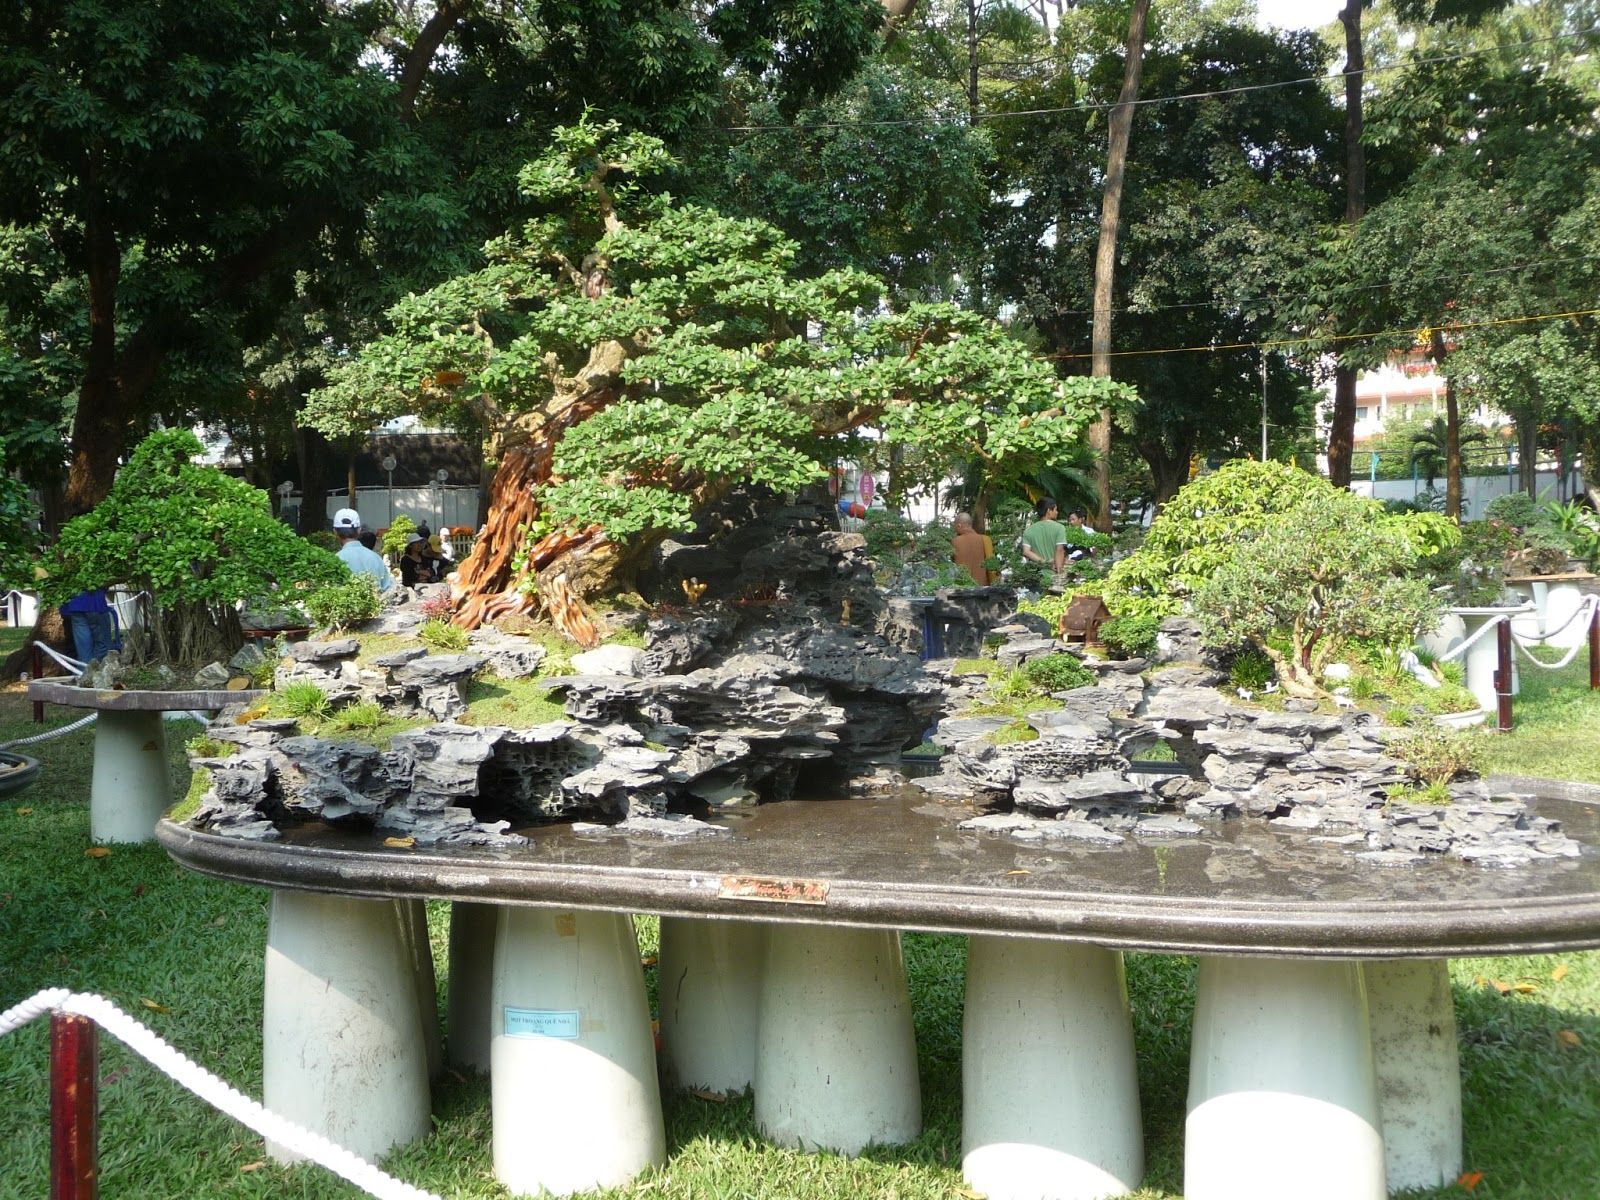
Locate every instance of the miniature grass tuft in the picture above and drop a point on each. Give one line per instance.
(492, 700)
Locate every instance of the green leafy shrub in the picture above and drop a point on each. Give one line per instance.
(1058, 673)
(1514, 508)
(301, 700)
(194, 541)
(1199, 530)
(1051, 608)
(1399, 715)
(395, 537)
(1131, 637)
(1433, 754)
(1577, 525)
(324, 539)
(1450, 698)
(348, 602)
(1333, 568)
(442, 635)
(202, 746)
(1251, 670)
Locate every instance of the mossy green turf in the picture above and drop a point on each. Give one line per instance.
(136, 928)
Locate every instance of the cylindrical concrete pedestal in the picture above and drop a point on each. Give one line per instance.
(1283, 1099)
(572, 1058)
(414, 924)
(342, 1041)
(131, 786)
(471, 972)
(836, 1057)
(1050, 1090)
(1413, 1019)
(710, 991)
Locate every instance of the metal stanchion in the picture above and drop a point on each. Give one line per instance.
(1502, 675)
(36, 671)
(74, 1108)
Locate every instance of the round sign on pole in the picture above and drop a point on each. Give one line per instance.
(868, 487)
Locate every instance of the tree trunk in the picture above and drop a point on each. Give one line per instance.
(1342, 427)
(1105, 259)
(1528, 454)
(101, 424)
(1168, 472)
(972, 62)
(1589, 448)
(311, 452)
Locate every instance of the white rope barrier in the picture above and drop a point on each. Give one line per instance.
(1483, 630)
(214, 1091)
(1571, 653)
(70, 664)
(50, 734)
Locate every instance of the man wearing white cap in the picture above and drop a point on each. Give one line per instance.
(360, 560)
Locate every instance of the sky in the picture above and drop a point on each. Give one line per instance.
(1298, 14)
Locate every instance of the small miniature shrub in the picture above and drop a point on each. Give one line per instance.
(1251, 670)
(1437, 794)
(1016, 731)
(201, 746)
(1433, 754)
(395, 537)
(365, 714)
(1514, 508)
(442, 635)
(1399, 716)
(437, 606)
(341, 605)
(1131, 637)
(302, 700)
(1363, 686)
(1058, 673)
(1452, 672)
(1449, 698)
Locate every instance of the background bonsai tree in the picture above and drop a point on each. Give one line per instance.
(1306, 581)
(194, 543)
(632, 358)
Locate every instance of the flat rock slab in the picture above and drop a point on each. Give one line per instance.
(133, 700)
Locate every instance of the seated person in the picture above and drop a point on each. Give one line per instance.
(414, 568)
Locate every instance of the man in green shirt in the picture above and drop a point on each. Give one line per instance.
(1044, 541)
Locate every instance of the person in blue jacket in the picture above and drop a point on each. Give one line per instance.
(88, 617)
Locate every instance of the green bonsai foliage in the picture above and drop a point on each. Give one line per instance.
(1058, 673)
(1434, 755)
(345, 603)
(194, 542)
(1198, 531)
(395, 537)
(1331, 569)
(1131, 637)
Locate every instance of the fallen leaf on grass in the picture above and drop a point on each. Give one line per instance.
(255, 1166)
(153, 1006)
(1556, 976)
(24, 812)
(1526, 989)
(1568, 1037)
(400, 843)
(1500, 985)
(971, 1195)
(1017, 872)
(138, 890)
(649, 960)
(96, 852)
(1468, 1180)
(220, 921)
(707, 1094)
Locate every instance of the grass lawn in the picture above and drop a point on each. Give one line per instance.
(185, 954)
(1555, 726)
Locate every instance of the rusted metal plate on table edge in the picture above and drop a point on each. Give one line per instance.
(773, 891)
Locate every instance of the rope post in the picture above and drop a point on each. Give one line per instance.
(74, 1108)
(36, 671)
(1502, 675)
(1594, 648)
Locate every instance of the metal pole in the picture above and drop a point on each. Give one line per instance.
(1263, 405)
(1594, 649)
(74, 1108)
(36, 671)
(1502, 675)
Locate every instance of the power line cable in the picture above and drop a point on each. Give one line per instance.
(1324, 339)
(1106, 105)
(1138, 310)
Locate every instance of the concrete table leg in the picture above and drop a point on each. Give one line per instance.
(572, 1059)
(710, 990)
(1050, 1090)
(836, 1057)
(1419, 1070)
(414, 925)
(132, 786)
(1283, 1098)
(471, 972)
(342, 1046)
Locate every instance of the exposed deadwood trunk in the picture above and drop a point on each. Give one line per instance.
(1342, 426)
(1105, 259)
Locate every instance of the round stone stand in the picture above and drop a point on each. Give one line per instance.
(132, 785)
(1324, 1060)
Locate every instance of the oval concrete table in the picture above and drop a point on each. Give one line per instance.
(1309, 958)
(132, 785)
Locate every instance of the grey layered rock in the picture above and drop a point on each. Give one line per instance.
(509, 657)
(247, 657)
(954, 731)
(212, 676)
(324, 651)
(1106, 789)
(1020, 650)
(435, 684)
(609, 660)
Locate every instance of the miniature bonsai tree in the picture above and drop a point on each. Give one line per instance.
(1306, 581)
(634, 358)
(194, 544)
